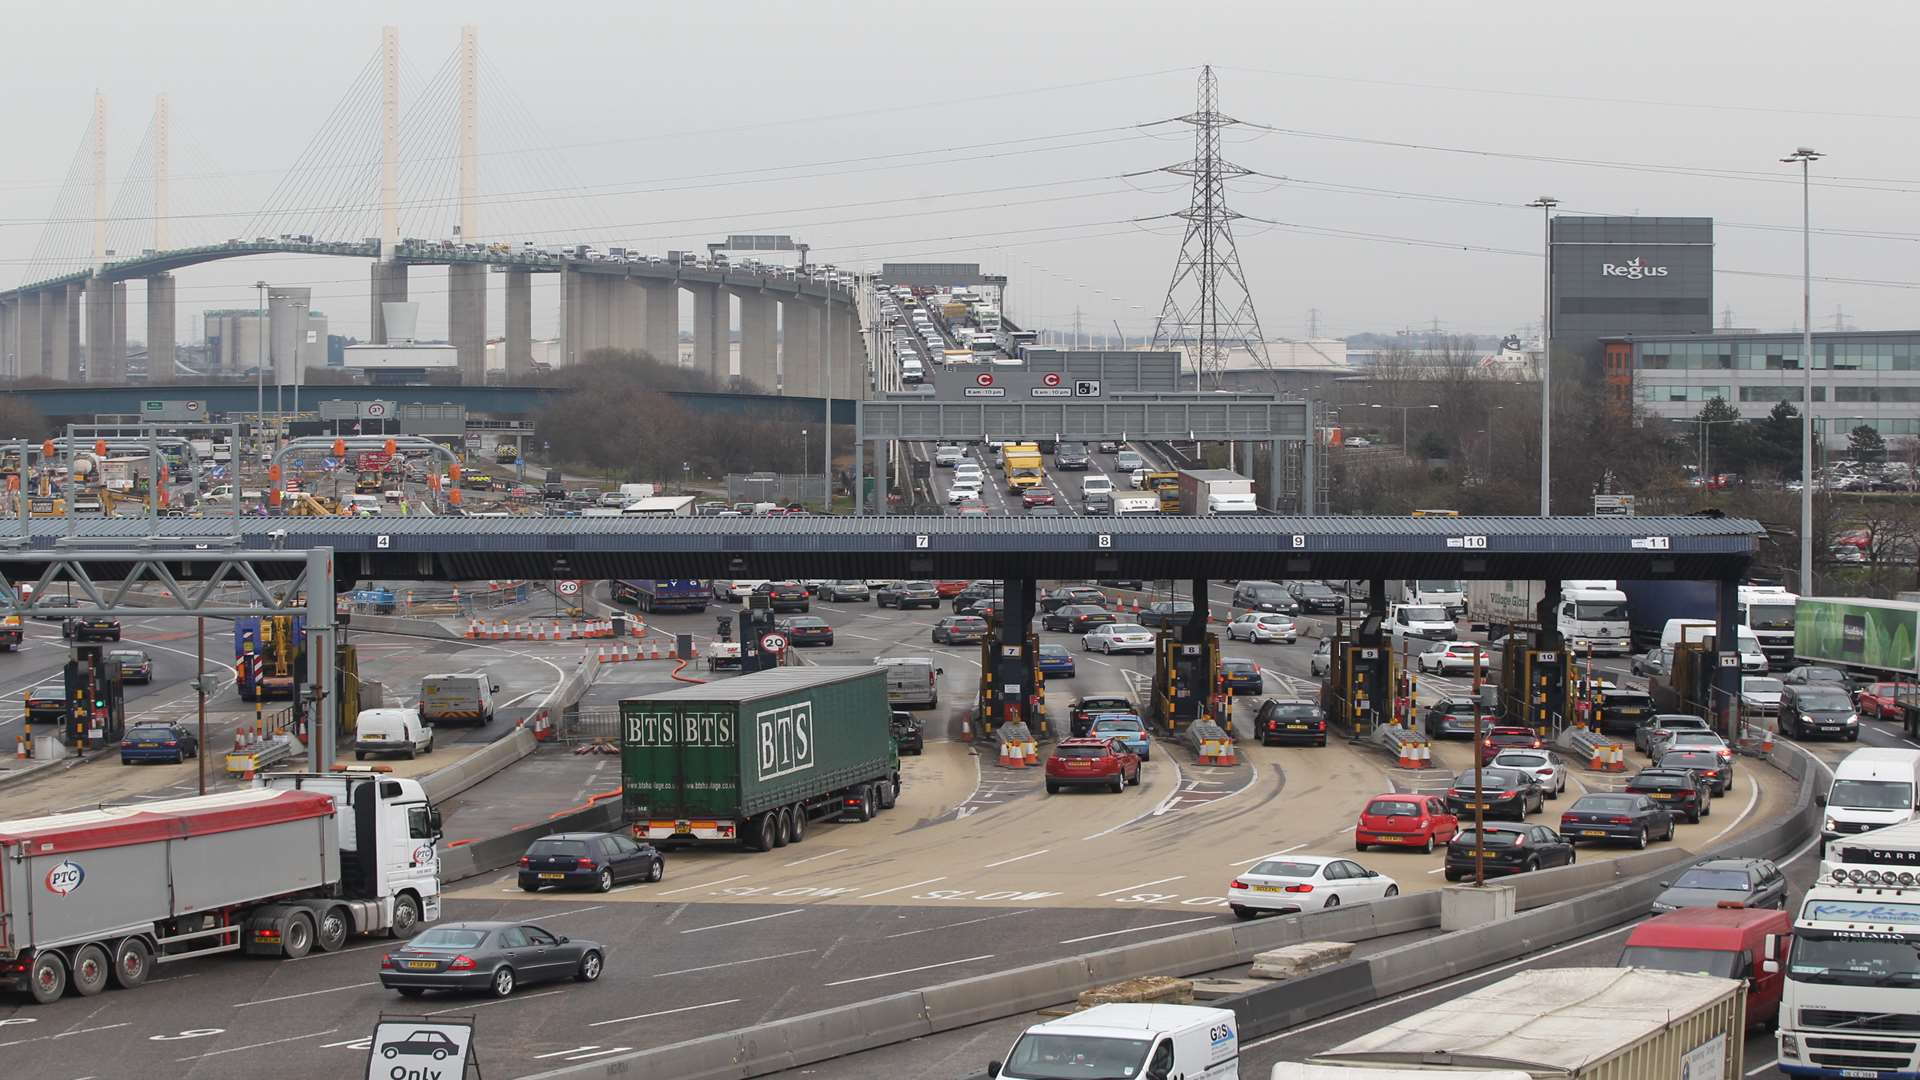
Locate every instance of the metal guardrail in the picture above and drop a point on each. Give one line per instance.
(585, 723)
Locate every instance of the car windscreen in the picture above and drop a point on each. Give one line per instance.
(1042, 1056)
(1600, 609)
(127, 657)
(1761, 686)
(1660, 781)
(1244, 667)
(150, 731)
(1315, 591)
(1266, 592)
(1823, 699)
(1438, 586)
(1605, 804)
(1301, 711)
(1096, 703)
(1494, 838)
(1053, 650)
(1770, 616)
(1490, 779)
(558, 847)
(1119, 725)
(1719, 962)
(1871, 795)
(1422, 614)
(1523, 761)
(1393, 808)
(1703, 878)
(1692, 759)
(1285, 868)
(448, 937)
(1080, 751)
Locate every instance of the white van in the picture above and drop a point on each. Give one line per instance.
(1421, 621)
(1873, 788)
(1096, 484)
(391, 731)
(1752, 660)
(466, 697)
(1151, 1042)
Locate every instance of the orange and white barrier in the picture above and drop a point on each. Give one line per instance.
(542, 725)
(1415, 754)
(1012, 756)
(1218, 752)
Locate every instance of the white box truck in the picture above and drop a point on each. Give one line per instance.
(1570, 1023)
(1448, 593)
(300, 864)
(1163, 1041)
(1592, 615)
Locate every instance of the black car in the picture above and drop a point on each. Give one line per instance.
(1618, 711)
(1080, 715)
(494, 957)
(907, 737)
(591, 860)
(784, 596)
(1055, 599)
(960, 630)
(1686, 793)
(1165, 613)
(1071, 457)
(1452, 718)
(908, 594)
(1264, 596)
(90, 628)
(1628, 816)
(1705, 763)
(806, 630)
(1754, 883)
(1505, 849)
(1510, 793)
(1281, 721)
(1076, 618)
(135, 664)
(1313, 597)
(1818, 708)
(972, 596)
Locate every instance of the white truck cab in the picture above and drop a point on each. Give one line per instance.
(389, 855)
(1593, 618)
(1874, 787)
(1147, 1042)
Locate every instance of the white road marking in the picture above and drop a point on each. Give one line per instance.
(308, 994)
(1137, 929)
(1270, 854)
(1016, 858)
(500, 1001)
(1142, 885)
(822, 855)
(572, 911)
(703, 885)
(1753, 797)
(734, 963)
(909, 971)
(966, 922)
(898, 888)
(64, 1034)
(258, 1045)
(1758, 1069)
(664, 1012)
(743, 922)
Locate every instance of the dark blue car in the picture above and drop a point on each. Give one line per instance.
(1054, 660)
(169, 743)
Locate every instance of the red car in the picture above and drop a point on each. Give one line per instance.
(1396, 820)
(1092, 763)
(1507, 738)
(950, 589)
(1033, 497)
(1881, 701)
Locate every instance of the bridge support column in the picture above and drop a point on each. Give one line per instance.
(711, 348)
(759, 342)
(117, 340)
(596, 329)
(63, 333)
(99, 322)
(573, 314)
(626, 315)
(519, 342)
(661, 321)
(1724, 713)
(1011, 677)
(160, 328)
(467, 320)
(35, 309)
(849, 354)
(389, 281)
(10, 338)
(800, 346)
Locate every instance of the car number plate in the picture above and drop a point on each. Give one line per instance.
(1268, 888)
(422, 965)
(1393, 839)
(1296, 727)
(1593, 832)
(1479, 806)
(1662, 795)
(1480, 854)
(372, 738)
(553, 877)
(1864, 1074)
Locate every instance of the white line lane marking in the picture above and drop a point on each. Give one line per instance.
(743, 922)
(822, 855)
(258, 1045)
(1753, 797)
(308, 994)
(909, 971)
(1142, 885)
(64, 1034)
(897, 888)
(1758, 1069)
(573, 911)
(664, 1012)
(734, 963)
(1268, 855)
(1137, 929)
(1016, 858)
(501, 1001)
(703, 885)
(968, 922)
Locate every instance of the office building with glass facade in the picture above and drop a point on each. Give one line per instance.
(1859, 378)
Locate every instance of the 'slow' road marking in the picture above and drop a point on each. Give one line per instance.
(898, 888)
(308, 994)
(703, 885)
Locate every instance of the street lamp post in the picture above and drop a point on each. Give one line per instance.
(806, 470)
(1805, 158)
(1546, 203)
(260, 366)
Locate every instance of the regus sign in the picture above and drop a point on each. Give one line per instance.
(1633, 268)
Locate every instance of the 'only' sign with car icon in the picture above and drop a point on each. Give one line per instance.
(419, 1049)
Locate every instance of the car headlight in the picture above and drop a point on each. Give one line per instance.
(1659, 907)
(1832, 826)
(1789, 1045)
(1853, 719)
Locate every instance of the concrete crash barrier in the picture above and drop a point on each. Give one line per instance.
(443, 784)
(1294, 961)
(1007, 993)
(1203, 950)
(1282, 1005)
(1146, 990)
(464, 860)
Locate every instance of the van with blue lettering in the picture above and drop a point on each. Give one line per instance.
(1147, 1042)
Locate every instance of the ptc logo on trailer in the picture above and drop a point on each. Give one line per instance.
(65, 878)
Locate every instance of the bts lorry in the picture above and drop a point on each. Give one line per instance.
(1768, 610)
(753, 759)
(1215, 491)
(1852, 986)
(662, 594)
(1591, 616)
(301, 864)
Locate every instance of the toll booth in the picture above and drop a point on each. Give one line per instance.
(1359, 688)
(1185, 676)
(1688, 687)
(1011, 688)
(91, 710)
(1536, 678)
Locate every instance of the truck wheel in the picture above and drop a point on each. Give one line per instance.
(866, 796)
(889, 794)
(331, 929)
(359, 755)
(762, 832)
(47, 979)
(782, 827)
(296, 935)
(90, 970)
(132, 962)
(799, 831)
(406, 916)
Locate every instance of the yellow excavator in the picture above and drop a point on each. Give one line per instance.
(305, 504)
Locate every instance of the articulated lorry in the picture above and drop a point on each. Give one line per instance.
(1767, 610)
(1880, 638)
(752, 760)
(1568, 1023)
(1215, 491)
(1852, 988)
(1427, 592)
(662, 594)
(301, 864)
(1592, 615)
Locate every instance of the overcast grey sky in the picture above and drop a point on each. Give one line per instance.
(869, 130)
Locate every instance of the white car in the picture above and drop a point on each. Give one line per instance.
(968, 472)
(948, 456)
(1118, 637)
(1263, 627)
(1453, 656)
(1291, 883)
(962, 491)
(1543, 764)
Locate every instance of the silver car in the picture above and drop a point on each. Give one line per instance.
(1263, 627)
(1544, 765)
(1118, 637)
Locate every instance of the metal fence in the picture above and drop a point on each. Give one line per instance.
(587, 723)
(779, 488)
